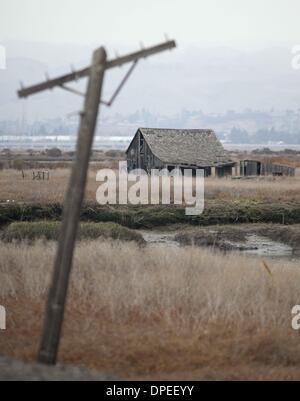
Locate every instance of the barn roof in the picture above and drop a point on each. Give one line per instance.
(197, 147)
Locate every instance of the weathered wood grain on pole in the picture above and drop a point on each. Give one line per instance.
(71, 214)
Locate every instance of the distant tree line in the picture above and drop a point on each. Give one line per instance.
(263, 136)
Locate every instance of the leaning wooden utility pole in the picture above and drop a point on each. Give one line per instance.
(71, 213)
(75, 194)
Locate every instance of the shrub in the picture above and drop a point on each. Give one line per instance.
(1, 165)
(6, 151)
(54, 152)
(115, 154)
(18, 164)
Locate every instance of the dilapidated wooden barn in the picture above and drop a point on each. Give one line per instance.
(257, 168)
(153, 148)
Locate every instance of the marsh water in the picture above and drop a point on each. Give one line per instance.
(253, 245)
(160, 238)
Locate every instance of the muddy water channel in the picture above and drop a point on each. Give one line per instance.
(160, 238)
(250, 243)
(265, 246)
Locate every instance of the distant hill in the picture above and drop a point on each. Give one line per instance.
(212, 80)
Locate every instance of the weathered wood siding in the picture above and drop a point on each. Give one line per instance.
(250, 167)
(140, 156)
(224, 171)
(253, 167)
(276, 169)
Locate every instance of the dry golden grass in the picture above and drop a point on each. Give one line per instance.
(157, 313)
(262, 189)
(269, 189)
(292, 161)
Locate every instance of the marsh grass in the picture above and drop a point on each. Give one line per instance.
(215, 235)
(49, 230)
(157, 313)
(263, 189)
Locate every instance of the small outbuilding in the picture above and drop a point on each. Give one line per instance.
(257, 168)
(156, 148)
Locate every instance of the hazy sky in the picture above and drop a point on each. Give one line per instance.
(49, 35)
(222, 22)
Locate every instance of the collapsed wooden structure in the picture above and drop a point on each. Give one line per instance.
(261, 168)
